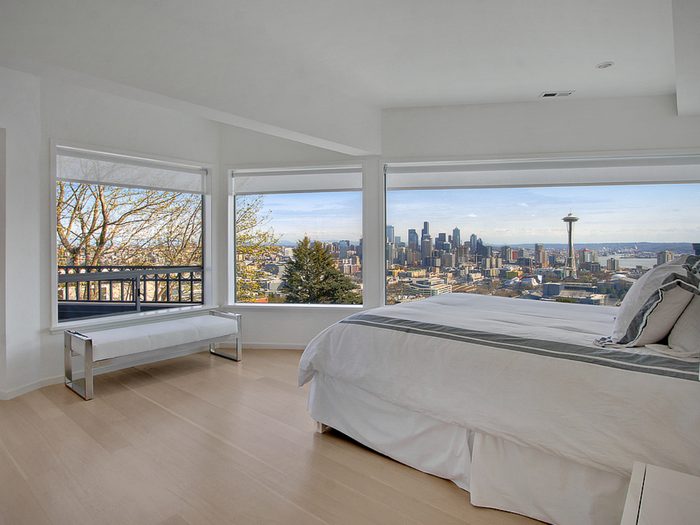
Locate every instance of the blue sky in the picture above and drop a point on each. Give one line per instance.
(328, 216)
(639, 213)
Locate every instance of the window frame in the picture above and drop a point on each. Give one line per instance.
(139, 159)
(508, 171)
(356, 165)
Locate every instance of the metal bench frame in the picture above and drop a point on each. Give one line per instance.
(84, 386)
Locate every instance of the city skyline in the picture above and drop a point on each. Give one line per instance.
(501, 216)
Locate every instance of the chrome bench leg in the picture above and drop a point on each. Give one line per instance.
(238, 355)
(86, 390)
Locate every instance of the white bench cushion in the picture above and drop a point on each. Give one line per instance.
(118, 342)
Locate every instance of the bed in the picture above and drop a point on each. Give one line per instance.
(531, 406)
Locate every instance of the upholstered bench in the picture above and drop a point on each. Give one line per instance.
(118, 346)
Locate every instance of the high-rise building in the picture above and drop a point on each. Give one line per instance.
(540, 255)
(507, 253)
(413, 241)
(613, 264)
(344, 249)
(472, 242)
(426, 248)
(483, 250)
(462, 254)
(390, 234)
(448, 260)
(456, 238)
(390, 253)
(664, 257)
(425, 231)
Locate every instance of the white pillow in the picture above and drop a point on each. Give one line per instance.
(654, 303)
(684, 339)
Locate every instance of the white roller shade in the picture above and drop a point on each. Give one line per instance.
(633, 170)
(256, 182)
(94, 167)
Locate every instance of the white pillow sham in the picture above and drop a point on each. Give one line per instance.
(684, 339)
(654, 303)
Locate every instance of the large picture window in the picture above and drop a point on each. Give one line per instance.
(298, 235)
(129, 234)
(447, 231)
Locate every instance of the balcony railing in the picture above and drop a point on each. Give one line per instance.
(87, 291)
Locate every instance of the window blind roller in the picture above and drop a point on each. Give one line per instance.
(599, 171)
(95, 167)
(307, 180)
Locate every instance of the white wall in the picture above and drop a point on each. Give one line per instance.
(21, 253)
(3, 255)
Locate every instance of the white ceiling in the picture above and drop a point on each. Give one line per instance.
(253, 58)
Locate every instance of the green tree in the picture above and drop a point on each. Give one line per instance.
(255, 244)
(311, 277)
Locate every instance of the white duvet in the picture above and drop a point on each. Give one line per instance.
(606, 411)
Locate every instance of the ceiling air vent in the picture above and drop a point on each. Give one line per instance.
(552, 94)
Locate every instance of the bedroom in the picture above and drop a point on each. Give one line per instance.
(55, 86)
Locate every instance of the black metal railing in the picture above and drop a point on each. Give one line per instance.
(109, 289)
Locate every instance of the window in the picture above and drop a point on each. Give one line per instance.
(507, 229)
(129, 234)
(298, 235)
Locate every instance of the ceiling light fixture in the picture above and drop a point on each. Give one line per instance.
(604, 65)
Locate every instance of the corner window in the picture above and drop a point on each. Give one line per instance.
(129, 234)
(298, 235)
(505, 229)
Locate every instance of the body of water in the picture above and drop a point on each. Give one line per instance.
(633, 263)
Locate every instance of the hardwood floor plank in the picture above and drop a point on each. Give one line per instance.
(17, 503)
(202, 440)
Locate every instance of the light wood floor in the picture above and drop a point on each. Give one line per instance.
(204, 440)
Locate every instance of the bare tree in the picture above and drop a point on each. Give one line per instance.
(130, 226)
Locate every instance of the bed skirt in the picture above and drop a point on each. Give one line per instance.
(497, 473)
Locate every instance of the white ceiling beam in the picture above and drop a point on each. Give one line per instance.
(686, 38)
(357, 129)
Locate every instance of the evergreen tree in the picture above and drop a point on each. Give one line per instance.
(311, 277)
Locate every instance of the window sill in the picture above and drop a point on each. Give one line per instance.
(295, 306)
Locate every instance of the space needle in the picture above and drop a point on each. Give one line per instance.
(570, 261)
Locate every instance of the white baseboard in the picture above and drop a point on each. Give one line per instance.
(10, 394)
(272, 346)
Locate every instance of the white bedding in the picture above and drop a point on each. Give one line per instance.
(540, 382)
